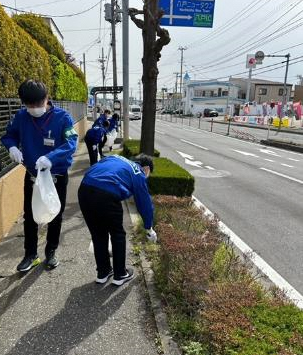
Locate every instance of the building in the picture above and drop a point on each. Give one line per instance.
(55, 30)
(298, 93)
(210, 94)
(261, 90)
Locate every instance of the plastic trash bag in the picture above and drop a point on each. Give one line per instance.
(91, 247)
(111, 136)
(45, 200)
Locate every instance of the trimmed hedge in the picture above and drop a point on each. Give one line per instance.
(67, 85)
(20, 58)
(36, 27)
(131, 148)
(169, 178)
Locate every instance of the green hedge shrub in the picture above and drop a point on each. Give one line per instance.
(36, 27)
(169, 178)
(20, 58)
(131, 148)
(67, 85)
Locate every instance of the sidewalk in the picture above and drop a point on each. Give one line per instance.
(63, 311)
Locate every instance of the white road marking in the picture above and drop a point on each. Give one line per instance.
(196, 163)
(209, 167)
(160, 132)
(270, 152)
(272, 161)
(245, 153)
(261, 264)
(184, 155)
(292, 159)
(288, 166)
(195, 145)
(282, 175)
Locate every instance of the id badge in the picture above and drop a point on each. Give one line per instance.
(49, 142)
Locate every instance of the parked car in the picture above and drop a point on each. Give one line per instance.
(134, 112)
(210, 113)
(176, 112)
(166, 111)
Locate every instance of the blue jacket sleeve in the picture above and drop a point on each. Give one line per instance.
(143, 200)
(63, 154)
(12, 136)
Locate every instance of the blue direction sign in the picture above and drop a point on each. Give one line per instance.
(189, 13)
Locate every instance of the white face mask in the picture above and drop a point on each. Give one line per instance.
(36, 111)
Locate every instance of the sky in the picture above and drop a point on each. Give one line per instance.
(240, 27)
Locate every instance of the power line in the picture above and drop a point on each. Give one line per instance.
(47, 3)
(43, 15)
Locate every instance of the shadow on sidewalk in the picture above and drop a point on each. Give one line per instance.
(86, 309)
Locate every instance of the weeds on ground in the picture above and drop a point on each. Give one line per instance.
(214, 305)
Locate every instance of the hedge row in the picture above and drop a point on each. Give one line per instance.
(20, 58)
(168, 178)
(34, 52)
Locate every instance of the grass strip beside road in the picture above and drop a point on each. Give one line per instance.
(214, 305)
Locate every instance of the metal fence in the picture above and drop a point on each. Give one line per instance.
(8, 108)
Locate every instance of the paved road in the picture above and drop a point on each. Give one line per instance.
(238, 131)
(256, 190)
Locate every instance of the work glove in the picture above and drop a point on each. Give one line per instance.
(15, 155)
(94, 147)
(43, 163)
(151, 235)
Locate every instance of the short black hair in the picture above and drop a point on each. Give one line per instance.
(32, 92)
(106, 124)
(145, 160)
(107, 111)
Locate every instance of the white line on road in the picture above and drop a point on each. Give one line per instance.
(160, 132)
(184, 155)
(292, 159)
(288, 166)
(272, 161)
(282, 175)
(245, 153)
(195, 145)
(261, 264)
(209, 167)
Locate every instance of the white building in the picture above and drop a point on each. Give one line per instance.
(54, 28)
(211, 94)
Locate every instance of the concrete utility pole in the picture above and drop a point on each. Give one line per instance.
(84, 65)
(139, 83)
(113, 25)
(176, 91)
(182, 49)
(248, 84)
(285, 86)
(125, 49)
(102, 61)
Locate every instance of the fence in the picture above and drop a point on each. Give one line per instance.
(8, 108)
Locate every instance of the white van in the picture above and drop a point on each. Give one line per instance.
(135, 112)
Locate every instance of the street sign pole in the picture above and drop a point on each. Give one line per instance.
(248, 84)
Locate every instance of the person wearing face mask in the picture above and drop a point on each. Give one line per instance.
(40, 136)
(107, 183)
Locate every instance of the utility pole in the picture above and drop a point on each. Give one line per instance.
(176, 91)
(139, 83)
(102, 61)
(84, 65)
(182, 49)
(285, 85)
(248, 84)
(125, 49)
(113, 24)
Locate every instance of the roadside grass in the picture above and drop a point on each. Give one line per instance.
(213, 303)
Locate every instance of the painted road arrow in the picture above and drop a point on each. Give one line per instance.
(184, 155)
(193, 163)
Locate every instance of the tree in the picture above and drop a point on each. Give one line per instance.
(152, 47)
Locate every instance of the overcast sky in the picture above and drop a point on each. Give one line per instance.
(240, 27)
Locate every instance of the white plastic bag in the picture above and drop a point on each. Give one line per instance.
(111, 136)
(45, 200)
(91, 247)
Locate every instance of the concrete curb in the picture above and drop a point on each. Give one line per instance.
(283, 145)
(169, 346)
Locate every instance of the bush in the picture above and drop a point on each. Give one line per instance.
(131, 148)
(67, 85)
(36, 27)
(169, 178)
(21, 58)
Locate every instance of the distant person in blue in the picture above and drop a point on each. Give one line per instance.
(112, 130)
(107, 183)
(101, 122)
(93, 137)
(40, 136)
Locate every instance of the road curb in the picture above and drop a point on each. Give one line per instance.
(169, 346)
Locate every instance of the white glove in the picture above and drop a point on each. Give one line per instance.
(15, 155)
(151, 235)
(43, 163)
(94, 147)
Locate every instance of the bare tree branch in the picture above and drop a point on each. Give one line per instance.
(162, 41)
(133, 13)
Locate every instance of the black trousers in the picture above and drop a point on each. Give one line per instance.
(31, 227)
(93, 154)
(103, 214)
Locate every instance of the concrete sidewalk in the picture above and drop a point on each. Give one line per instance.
(63, 311)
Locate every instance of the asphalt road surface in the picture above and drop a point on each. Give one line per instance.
(257, 191)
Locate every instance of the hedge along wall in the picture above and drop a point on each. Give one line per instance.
(41, 32)
(67, 85)
(20, 58)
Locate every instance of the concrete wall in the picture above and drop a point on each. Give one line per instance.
(11, 191)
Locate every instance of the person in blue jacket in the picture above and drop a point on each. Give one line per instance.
(102, 118)
(40, 136)
(101, 121)
(107, 183)
(93, 137)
